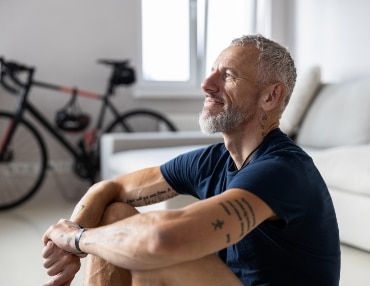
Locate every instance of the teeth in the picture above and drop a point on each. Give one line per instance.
(215, 99)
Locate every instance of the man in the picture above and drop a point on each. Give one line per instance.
(265, 216)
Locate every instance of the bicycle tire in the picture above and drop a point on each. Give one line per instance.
(23, 171)
(141, 120)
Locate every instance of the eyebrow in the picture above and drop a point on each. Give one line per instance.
(225, 69)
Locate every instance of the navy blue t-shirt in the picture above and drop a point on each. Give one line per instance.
(302, 247)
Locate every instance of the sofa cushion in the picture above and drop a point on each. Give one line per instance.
(338, 116)
(306, 87)
(345, 168)
(133, 160)
(353, 214)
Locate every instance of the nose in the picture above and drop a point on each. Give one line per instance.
(210, 83)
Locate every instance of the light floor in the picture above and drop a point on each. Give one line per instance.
(21, 230)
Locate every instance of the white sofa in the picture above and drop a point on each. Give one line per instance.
(331, 122)
(335, 131)
(122, 153)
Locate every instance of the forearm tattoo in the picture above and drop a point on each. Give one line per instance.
(244, 212)
(159, 196)
(77, 210)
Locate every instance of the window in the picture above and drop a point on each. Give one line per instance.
(165, 40)
(181, 39)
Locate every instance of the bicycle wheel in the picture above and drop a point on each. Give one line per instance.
(141, 120)
(22, 164)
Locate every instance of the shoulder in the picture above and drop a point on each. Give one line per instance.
(191, 163)
(200, 154)
(195, 171)
(278, 159)
(278, 148)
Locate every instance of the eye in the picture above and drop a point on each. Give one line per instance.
(228, 75)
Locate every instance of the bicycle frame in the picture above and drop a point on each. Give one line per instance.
(23, 151)
(23, 89)
(106, 103)
(25, 105)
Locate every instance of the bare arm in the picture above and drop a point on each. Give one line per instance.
(159, 239)
(140, 188)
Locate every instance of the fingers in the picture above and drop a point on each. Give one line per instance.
(68, 283)
(53, 258)
(56, 259)
(61, 265)
(48, 249)
(45, 237)
(57, 281)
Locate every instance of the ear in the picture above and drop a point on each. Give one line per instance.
(274, 96)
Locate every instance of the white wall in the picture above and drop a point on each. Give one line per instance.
(333, 34)
(63, 40)
(330, 33)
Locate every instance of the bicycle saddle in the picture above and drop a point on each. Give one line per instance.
(114, 63)
(122, 72)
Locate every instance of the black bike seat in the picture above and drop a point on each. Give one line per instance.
(114, 63)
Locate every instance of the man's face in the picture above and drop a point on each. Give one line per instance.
(231, 90)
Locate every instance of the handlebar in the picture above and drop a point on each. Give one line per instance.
(14, 71)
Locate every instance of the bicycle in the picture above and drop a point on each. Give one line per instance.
(23, 151)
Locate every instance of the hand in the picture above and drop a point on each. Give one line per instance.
(61, 258)
(63, 235)
(61, 265)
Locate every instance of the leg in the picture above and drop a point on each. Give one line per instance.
(99, 272)
(209, 270)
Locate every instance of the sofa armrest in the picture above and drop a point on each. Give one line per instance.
(118, 142)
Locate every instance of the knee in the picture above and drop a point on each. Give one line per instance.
(117, 211)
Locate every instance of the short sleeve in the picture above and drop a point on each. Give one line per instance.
(279, 182)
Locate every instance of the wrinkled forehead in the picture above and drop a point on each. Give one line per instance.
(238, 57)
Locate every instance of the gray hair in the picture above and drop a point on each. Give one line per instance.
(275, 63)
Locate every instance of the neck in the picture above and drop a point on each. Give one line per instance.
(248, 158)
(242, 145)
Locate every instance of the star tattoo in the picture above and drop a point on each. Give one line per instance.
(218, 224)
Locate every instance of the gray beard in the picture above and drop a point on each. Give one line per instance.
(221, 122)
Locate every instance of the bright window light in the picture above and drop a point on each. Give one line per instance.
(182, 38)
(165, 39)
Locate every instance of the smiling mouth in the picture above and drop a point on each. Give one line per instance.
(213, 99)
